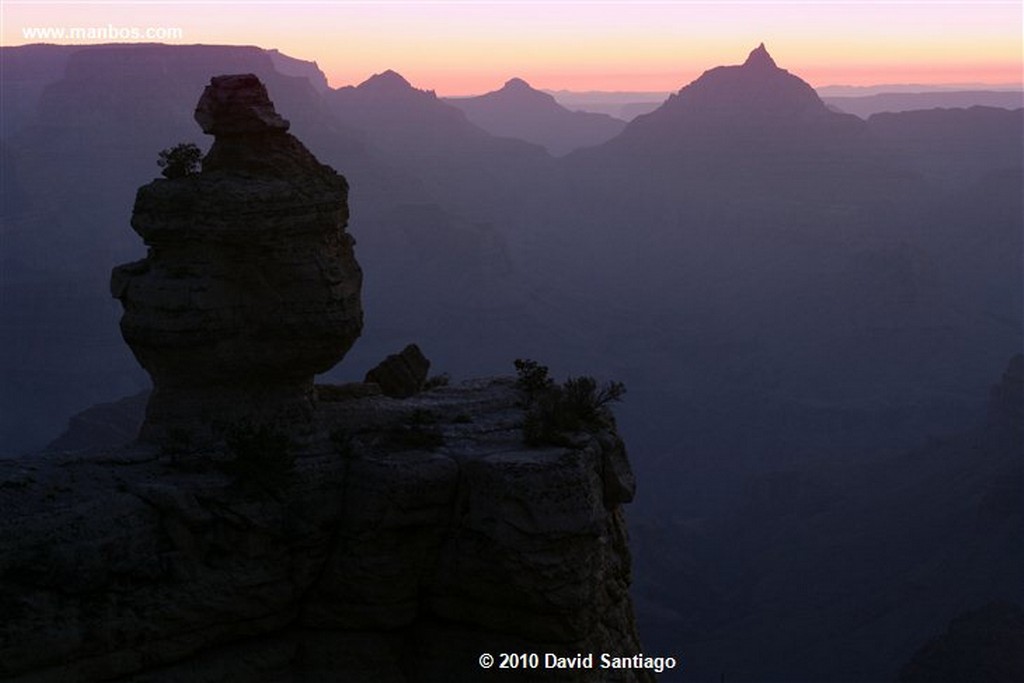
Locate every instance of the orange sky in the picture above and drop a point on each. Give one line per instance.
(464, 47)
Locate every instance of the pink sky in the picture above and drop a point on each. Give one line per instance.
(465, 47)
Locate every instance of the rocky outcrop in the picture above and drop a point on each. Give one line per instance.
(401, 374)
(264, 529)
(398, 542)
(251, 286)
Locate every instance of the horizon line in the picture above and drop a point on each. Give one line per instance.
(500, 81)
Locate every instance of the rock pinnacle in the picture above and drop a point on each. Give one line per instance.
(759, 58)
(251, 286)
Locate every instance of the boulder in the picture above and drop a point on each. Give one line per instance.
(402, 374)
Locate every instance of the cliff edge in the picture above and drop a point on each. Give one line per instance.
(405, 538)
(266, 529)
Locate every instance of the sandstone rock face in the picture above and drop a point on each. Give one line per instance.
(382, 556)
(251, 285)
(235, 105)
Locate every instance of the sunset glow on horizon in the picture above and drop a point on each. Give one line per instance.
(461, 48)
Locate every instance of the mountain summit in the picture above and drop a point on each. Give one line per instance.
(748, 104)
(518, 110)
(759, 58)
(397, 115)
(517, 84)
(387, 82)
(757, 88)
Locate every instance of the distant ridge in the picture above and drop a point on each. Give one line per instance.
(867, 105)
(520, 111)
(388, 81)
(431, 140)
(394, 112)
(880, 88)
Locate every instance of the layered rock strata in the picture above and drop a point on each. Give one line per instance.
(407, 538)
(250, 286)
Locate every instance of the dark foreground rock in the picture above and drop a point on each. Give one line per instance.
(263, 529)
(397, 541)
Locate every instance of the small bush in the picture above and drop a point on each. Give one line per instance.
(583, 398)
(555, 411)
(180, 161)
(532, 377)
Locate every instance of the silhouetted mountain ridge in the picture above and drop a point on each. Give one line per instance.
(520, 111)
(463, 165)
(388, 83)
(391, 90)
(753, 101)
(865, 106)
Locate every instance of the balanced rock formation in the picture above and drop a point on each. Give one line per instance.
(251, 286)
(405, 539)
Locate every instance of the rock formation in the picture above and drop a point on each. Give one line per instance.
(401, 374)
(360, 537)
(381, 556)
(250, 286)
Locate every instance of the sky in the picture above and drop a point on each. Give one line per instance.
(473, 46)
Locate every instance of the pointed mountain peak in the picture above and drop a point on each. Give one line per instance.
(742, 96)
(759, 58)
(387, 81)
(513, 84)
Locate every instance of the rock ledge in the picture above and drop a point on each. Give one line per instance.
(380, 556)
